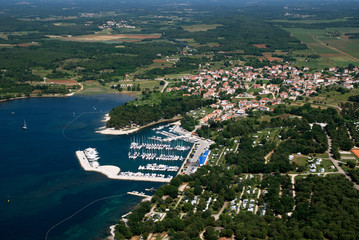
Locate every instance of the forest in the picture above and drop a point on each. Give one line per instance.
(320, 204)
(154, 107)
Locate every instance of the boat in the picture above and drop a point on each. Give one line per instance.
(24, 127)
(150, 189)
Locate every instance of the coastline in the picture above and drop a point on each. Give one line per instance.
(112, 131)
(46, 95)
(112, 232)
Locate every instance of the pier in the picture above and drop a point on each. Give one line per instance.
(113, 172)
(139, 194)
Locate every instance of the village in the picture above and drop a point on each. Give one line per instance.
(243, 89)
(113, 24)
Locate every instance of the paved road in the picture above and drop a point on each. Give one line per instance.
(336, 163)
(201, 146)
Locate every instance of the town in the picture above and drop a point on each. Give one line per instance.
(246, 88)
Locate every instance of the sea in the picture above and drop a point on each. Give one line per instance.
(44, 192)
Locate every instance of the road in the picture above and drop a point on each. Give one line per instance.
(216, 216)
(201, 146)
(336, 163)
(166, 84)
(81, 88)
(164, 87)
(267, 156)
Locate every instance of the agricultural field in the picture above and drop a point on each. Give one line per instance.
(160, 63)
(309, 21)
(333, 51)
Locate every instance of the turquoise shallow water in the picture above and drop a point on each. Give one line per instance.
(40, 174)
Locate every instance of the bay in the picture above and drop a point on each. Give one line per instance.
(41, 180)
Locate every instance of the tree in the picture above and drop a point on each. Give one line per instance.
(351, 164)
(210, 234)
(198, 190)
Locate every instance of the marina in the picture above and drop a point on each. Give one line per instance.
(160, 167)
(153, 148)
(113, 172)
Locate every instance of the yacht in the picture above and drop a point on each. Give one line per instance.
(24, 127)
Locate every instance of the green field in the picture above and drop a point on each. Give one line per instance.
(96, 88)
(334, 51)
(333, 98)
(151, 84)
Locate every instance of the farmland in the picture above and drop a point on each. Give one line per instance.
(333, 51)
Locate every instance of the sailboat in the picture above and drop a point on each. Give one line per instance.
(24, 127)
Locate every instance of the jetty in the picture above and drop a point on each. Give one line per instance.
(113, 172)
(139, 194)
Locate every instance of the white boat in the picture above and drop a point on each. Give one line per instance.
(24, 127)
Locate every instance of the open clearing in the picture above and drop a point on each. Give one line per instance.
(108, 37)
(260, 45)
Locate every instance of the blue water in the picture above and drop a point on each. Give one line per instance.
(42, 179)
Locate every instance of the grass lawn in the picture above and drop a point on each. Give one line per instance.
(201, 112)
(272, 134)
(326, 164)
(255, 90)
(300, 160)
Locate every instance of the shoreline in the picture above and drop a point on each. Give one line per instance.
(112, 232)
(112, 131)
(46, 95)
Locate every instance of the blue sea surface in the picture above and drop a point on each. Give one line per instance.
(41, 180)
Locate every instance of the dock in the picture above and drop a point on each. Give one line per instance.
(139, 194)
(113, 172)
